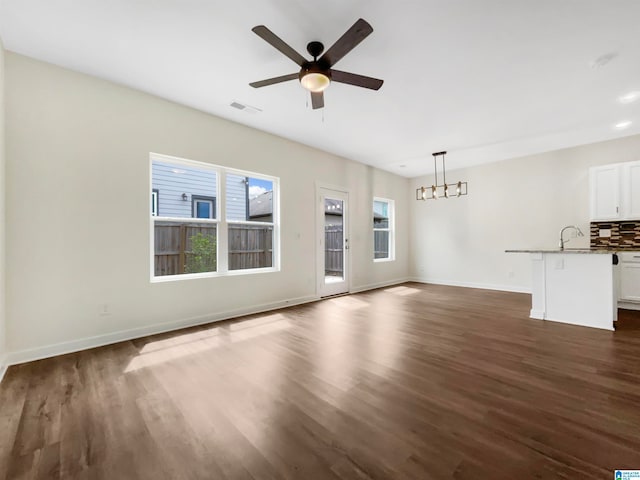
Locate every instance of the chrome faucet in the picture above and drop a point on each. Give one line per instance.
(563, 241)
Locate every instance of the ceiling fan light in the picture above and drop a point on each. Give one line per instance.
(315, 81)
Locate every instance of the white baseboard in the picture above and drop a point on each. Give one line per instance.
(29, 355)
(537, 314)
(373, 286)
(484, 286)
(629, 306)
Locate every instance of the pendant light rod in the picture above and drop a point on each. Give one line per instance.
(435, 167)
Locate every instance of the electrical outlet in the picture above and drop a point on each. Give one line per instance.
(604, 233)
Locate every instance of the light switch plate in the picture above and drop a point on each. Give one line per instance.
(604, 233)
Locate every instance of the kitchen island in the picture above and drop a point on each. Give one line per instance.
(574, 286)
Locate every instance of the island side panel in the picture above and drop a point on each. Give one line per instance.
(580, 289)
(538, 288)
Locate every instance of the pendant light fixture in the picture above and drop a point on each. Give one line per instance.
(445, 190)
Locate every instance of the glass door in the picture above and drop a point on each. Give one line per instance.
(333, 254)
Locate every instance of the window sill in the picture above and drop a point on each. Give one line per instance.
(383, 260)
(195, 276)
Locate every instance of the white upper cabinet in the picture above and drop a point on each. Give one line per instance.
(631, 190)
(615, 192)
(604, 183)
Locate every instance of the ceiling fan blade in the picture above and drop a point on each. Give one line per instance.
(279, 44)
(347, 42)
(317, 100)
(355, 79)
(274, 80)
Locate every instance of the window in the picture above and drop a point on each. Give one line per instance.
(383, 230)
(203, 207)
(250, 217)
(188, 236)
(154, 202)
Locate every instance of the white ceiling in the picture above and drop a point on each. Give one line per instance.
(484, 79)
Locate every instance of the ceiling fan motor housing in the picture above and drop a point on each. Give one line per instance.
(315, 49)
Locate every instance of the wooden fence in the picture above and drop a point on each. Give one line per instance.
(381, 244)
(190, 247)
(250, 246)
(333, 254)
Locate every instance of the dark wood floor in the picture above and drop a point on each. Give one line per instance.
(409, 382)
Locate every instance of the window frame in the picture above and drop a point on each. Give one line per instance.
(202, 198)
(391, 229)
(274, 214)
(222, 237)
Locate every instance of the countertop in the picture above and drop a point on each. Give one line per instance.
(598, 250)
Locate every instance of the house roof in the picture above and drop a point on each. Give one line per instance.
(262, 205)
(484, 80)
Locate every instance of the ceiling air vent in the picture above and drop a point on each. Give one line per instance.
(244, 107)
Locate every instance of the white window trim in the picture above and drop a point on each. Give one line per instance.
(195, 207)
(222, 254)
(391, 229)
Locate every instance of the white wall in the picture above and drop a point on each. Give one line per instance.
(78, 210)
(518, 203)
(2, 215)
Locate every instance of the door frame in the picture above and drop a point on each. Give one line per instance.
(323, 189)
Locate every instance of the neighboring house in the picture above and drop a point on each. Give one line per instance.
(187, 192)
(260, 209)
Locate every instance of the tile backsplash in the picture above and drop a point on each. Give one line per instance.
(623, 234)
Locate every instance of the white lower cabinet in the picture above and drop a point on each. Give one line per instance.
(629, 269)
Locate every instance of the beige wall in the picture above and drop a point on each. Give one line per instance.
(519, 203)
(2, 214)
(78, 210)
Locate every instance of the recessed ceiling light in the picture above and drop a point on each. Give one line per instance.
(629, 97)
(623, 125)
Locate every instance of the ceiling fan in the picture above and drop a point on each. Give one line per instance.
(317, 74)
